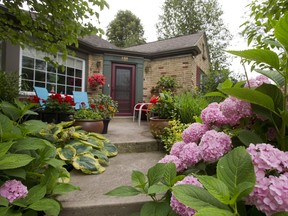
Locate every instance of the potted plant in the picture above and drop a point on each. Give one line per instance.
(96, 80)
(89, 118)
(164, 110)
(56, 108)
(107, 108)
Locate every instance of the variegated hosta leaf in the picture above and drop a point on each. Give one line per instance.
(66, 153)
(96, 135)
(64, 176)
(87, 164)
(103, 159)
(81, 148)
(111, 149)
(94, 142)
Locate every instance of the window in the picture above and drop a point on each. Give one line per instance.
(35, 71)
(200, 78)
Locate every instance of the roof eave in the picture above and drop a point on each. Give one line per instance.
(194, 50)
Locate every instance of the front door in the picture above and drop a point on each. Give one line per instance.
(123, 88)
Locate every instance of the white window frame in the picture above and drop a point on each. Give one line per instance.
(38, 55)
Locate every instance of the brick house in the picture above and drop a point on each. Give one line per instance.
(130, 72)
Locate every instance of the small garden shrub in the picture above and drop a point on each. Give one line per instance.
(9, 88)
(173, 133)
(189, 105)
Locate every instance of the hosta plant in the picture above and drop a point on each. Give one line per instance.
(87, 152)
(30, 174)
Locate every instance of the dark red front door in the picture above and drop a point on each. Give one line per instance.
(123, 87)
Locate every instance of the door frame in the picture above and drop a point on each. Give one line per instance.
(132, 67)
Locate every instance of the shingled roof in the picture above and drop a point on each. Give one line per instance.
(163, 48)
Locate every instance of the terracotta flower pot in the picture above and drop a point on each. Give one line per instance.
(157, 126)
(90, 125)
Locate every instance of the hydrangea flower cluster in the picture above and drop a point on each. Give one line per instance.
(234, 109)
(180, 208)
(214, 145)
(271, 189)
(258, 81)
(12, 190)
(194, 132)
(209, 148)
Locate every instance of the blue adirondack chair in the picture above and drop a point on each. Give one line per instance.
(79, 98)
(42, 93)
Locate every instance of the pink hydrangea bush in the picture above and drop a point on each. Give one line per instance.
(180, 208)
(194, 132)
(214, 145)
(270, 194)
(258, 81)
(12, 190)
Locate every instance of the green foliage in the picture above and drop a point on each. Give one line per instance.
(158, 181)
(9, 90)
(165, 105)
(88, 113)
(105, 104)
(235, 180)
(269, 100)
(188, 17)
(125, 30)
(66, 22)
(87, 152)
(172, 134)
(166, 82)
(30, 160)
(189, 105)
(262, 18)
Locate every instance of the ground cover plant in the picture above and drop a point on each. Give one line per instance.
(234, 159)
(30, 173)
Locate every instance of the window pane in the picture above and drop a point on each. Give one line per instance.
(27, 62)
(51, 77)
(28, 85)
(70, 71)
(61, 89)
(39, 84)
(40, 76)
(78, 73)
(40, 65)
(50, 68)
(61, 79)
(27, 74)
(69, 90)
(78, 82)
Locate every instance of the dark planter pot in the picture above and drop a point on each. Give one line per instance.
(157, 126)
(55, 117)
(106, 123)
(95, 126)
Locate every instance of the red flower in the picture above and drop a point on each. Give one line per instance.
(101, 107)
(96, 79)
(154, 99)
(93, 106)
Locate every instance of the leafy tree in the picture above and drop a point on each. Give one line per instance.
(53, 25)
(261, 21)
(125, 30)
(183, 17)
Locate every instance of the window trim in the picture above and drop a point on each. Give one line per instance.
(28, 93)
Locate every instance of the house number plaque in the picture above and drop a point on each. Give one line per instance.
(124, 58)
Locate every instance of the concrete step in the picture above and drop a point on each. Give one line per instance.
(129, 136)
(91, 201)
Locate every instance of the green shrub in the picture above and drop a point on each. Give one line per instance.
(172, 134)
(9, 87)
(189, 105)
